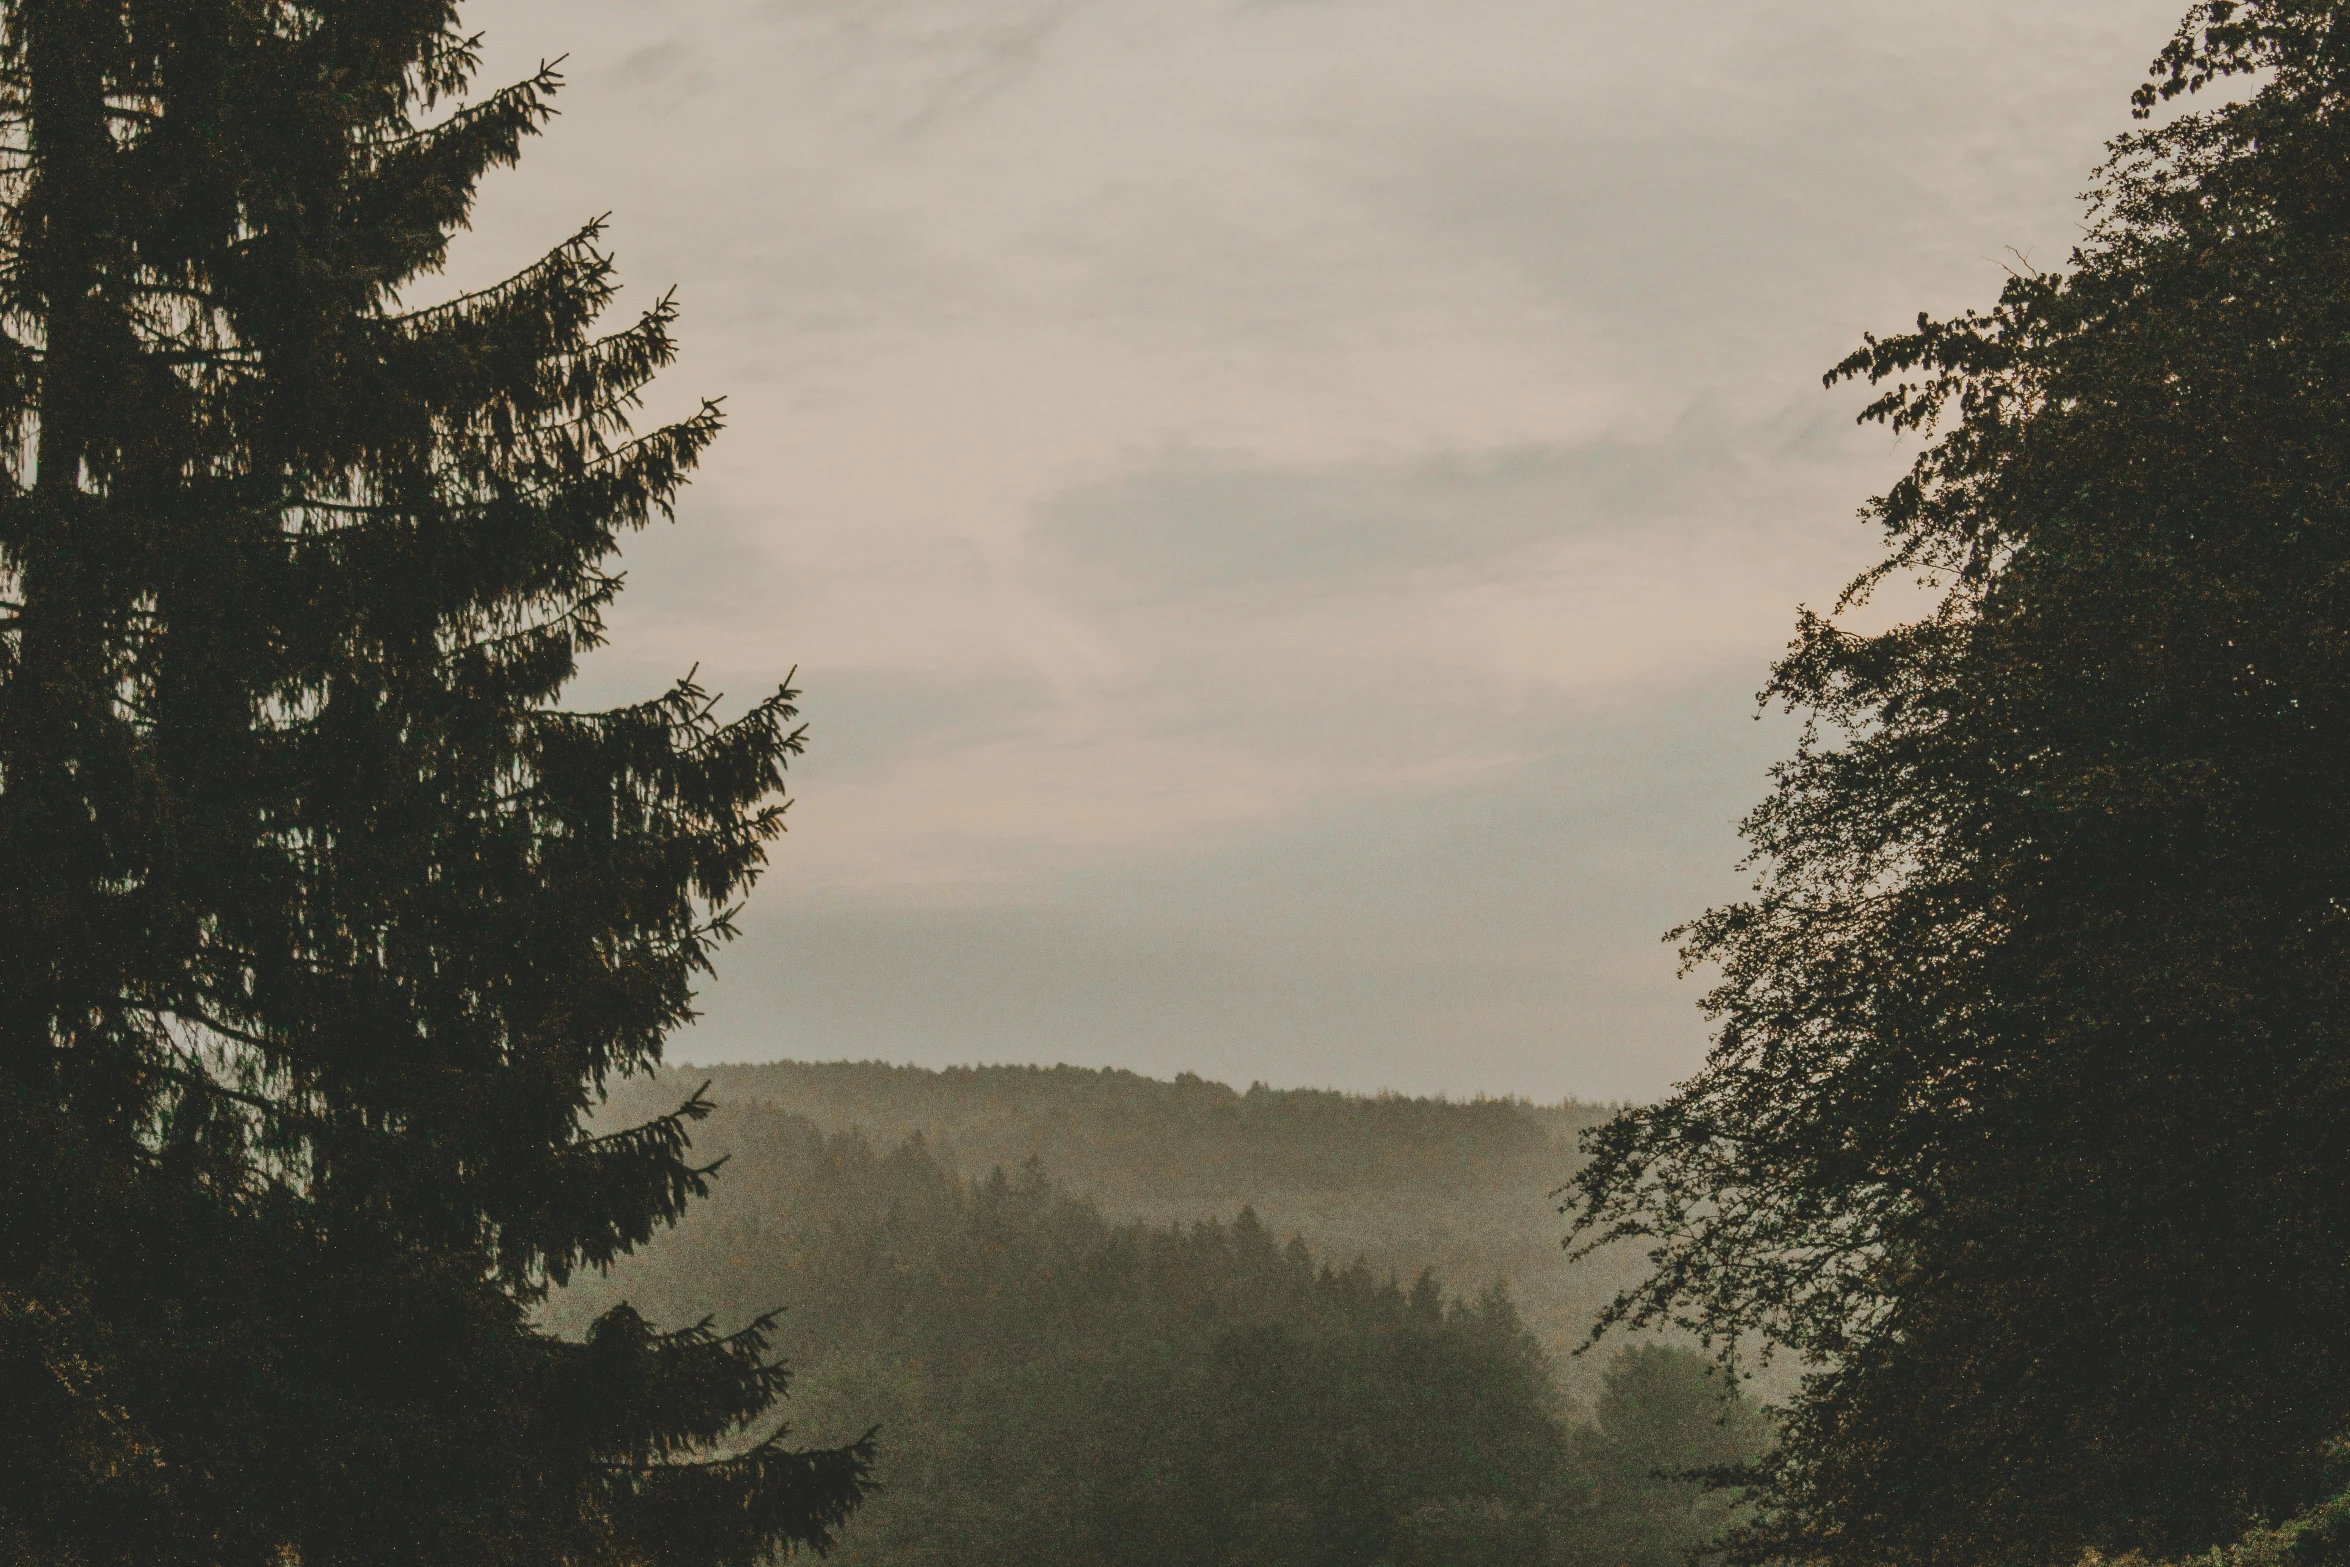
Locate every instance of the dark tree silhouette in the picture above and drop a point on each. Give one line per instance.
(2028, 1120)
(322, 925)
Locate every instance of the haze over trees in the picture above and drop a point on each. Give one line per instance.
(1406, 1184)
(321, 923)
(1059, 1381)
(2025, 1126)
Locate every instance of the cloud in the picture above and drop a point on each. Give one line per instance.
(872, 721)
(1502, 935)
(1193, 523)
(939, 59)
(1207, 643)
(1279, 508)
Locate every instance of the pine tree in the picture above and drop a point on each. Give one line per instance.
(323, 925)
(2028, 1120)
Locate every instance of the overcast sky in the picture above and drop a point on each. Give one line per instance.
(1279, 507)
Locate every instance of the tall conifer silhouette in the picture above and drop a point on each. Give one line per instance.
(322, 925)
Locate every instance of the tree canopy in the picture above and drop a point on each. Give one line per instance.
(2025, 1124)
(322, 922)
(1057, 1389)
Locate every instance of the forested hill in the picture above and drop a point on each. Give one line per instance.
(1126, 1138)
(1404, 1184)
(1101, 1318)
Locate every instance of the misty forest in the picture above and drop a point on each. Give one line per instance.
(352, 1212)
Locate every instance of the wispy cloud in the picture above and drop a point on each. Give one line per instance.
(931, 59)
(1279, 508)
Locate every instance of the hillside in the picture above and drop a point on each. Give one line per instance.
(1101, 1318)
(1404, 1184)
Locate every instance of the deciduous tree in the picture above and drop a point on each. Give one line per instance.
(2027, 1124)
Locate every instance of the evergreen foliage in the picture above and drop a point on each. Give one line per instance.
(322, 924)
(1460, 1187)
(1058, 1389)
(2025, 1126)
(1661, 1413)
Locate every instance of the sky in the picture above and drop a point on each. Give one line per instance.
(1279, 508)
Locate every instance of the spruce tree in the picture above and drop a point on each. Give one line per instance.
(2027, 1125)
(323, 925)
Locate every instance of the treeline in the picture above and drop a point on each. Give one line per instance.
(1460, 1187)
(1052, 1386)
(1134, 1140)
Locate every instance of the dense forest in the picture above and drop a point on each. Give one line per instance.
(1144, 1360)
(1463, 1188)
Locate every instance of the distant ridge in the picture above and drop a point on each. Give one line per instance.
(1099, 1317)
(1127, 1140)
(1405, 1183)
